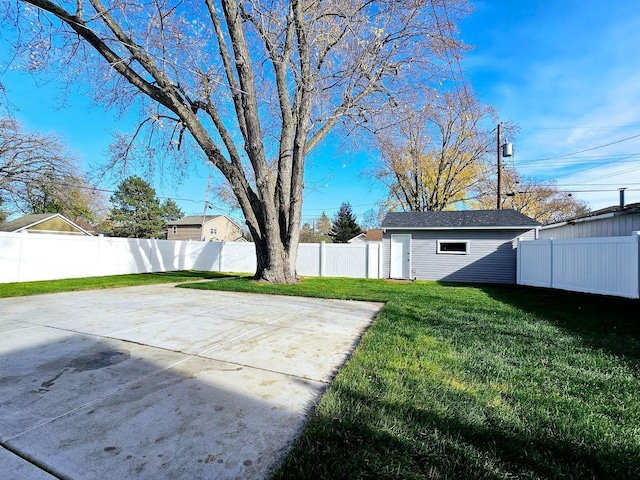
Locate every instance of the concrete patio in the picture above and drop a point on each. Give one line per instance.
(163, 382)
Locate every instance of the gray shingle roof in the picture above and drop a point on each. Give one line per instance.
(192, 220)
(459, 219)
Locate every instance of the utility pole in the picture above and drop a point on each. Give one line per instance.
(499, 149)
(203, 237)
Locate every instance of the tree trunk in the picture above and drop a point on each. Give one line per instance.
(275, 264)
(275, 260)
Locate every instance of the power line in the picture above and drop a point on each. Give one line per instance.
(585, 150)
(584, 158)
(593, 127)
(596, 166)
(592, 184)
(596, 190)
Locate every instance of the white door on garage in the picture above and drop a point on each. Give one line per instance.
(400, 256)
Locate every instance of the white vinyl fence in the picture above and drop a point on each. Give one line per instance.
(30, 257)
(604, 265)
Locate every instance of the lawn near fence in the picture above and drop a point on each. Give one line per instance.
(455, 381)
(19, 289)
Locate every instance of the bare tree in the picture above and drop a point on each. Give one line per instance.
(542, 201)
(254, 85)
(38, 174)
(434, 155)
(69, 194)
(323, 225)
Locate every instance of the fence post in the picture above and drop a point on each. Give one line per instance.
(321, 259)
(367, 259)
(97, 266)
(518, 262)
(23, 235)
(551, 262)
(220, 257)
(637, 263)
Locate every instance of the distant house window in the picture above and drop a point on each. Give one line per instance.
(175, 229)
(455, 247)
(213, 231)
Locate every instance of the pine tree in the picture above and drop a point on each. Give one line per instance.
(171, 211)
(344, 226)
(136, 211)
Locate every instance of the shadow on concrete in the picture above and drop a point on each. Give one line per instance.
(83, 407)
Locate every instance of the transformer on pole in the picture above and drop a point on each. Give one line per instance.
(503, 150)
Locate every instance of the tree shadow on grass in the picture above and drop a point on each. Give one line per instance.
(602, 322)
(449, 433)
(422, 443)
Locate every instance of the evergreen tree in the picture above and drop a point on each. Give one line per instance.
(136, 211)
(344, 226)
(171, 211)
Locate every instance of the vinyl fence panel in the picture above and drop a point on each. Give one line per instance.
(238, 257)
(604, 265)
(309, 259)
(345, 260)
(30, 257)
(534, 263)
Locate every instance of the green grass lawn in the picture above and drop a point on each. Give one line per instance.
(19, 289)
(456, 381)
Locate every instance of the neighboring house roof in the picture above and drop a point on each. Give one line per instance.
(613, 211)
(458, 219)
(360, 238)
(371, 235)
(374, 235)
(29, 221)
(197, 220)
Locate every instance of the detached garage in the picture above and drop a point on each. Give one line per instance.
(456, 246)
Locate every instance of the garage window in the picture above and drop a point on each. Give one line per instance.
(453, 247)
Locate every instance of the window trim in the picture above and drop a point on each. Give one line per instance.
(440, 251)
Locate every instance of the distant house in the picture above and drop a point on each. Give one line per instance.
(214, 228)
(51, 223)
(457, 246)
(373, 235)
(615, 221)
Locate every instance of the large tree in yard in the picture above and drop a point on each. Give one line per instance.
(253, 85)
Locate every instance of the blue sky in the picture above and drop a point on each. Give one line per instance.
(566, 71)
